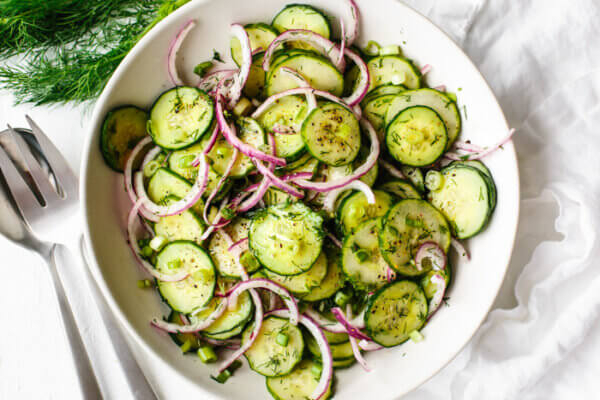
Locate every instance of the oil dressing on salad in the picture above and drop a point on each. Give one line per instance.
(298, 210)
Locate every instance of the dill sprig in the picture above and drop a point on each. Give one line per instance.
(69, 48)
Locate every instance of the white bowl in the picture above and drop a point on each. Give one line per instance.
(142, 76)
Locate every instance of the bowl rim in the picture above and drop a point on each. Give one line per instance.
(89, 146)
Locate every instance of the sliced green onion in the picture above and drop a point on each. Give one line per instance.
(282, 339)
(243, 107)
(147, 251)
(341, 298)
(372, 48)
(391, 49)
(434, 180)
(157, 242)
(150, 168)
(186, 346)
(316, 370)
(202, 68)
(452, 96)
(207, 354)
(174, 264)
(416, 336)
(222, 377)
(249, 262)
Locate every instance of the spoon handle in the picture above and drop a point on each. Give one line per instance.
(83, 367)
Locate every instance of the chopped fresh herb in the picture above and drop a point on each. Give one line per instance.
(217, 56)
(202, 68)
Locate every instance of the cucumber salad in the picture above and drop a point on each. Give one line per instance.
(298, 210)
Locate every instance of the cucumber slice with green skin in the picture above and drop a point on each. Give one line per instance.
(193, 292)
(180, 116)
(181, 338)
(415, 176)
(298, 385)
(362, 261)
(333, 281)
(165, 184)
(226, 335)
(231, 319)
(438, 101)
(261, 35)
(184, 226)
(250, 132)
(277, 196)
(429, 287)
(180, 162)
(344, 363)
(416, 136)
(286, 238)
(255, 84)
(401, 189)
(393, 69)
(305, 282)
(288, 111)
(122, 129)
(383, 90)
(302, 16)
(375, 110)
(218, 248)
(395, 311)
(339, 351)
(490, 179)
(464, 199)
(300, 162)
(320, 73)
(332, 134)
(355, 209)
(266, 356)
(406, 226)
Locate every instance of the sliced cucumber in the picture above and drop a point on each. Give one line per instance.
(180, 116)
(249, 132)
(266, 356)
(165, 184)
(305, 282)
(401, 189)
(317, 70)
(302, 16)
(181, 338)
(393, 69)
(197, 290)
(287, 111)
(231, 319)
(333, 281)
(180, 162)
(276, 196)
(261, 35)
(255, 84)
(339, 351)
(362, 261)
(490, 179)
(218, 248)
(286, 238)
(395, 311)
(122, 129)
(415, 176)
(344, 363)
(429, 287)
(382, 90)
(298, 385)
(408, 225)
(464, 199)
(332, 134)
(416, 136)
(355, 209)
(184, 226)
(434, 99)
(226, 335)
(375, 110)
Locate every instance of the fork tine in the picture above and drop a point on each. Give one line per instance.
(33, 167)
(62, 171)
(21, 193)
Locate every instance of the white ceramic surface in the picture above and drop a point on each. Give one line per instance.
(142, 76)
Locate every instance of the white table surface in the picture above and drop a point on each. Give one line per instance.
(542, 59)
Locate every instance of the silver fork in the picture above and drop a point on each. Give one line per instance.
(43, 218)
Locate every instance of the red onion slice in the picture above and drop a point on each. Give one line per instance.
(220, 183)
(357, 174)
(239, 246)
(267, 284)
(392, 170)
(135, 248)
(229, 134)
(459, 144)
(182, 205)
(334, 240)
(128, 177)
(434, 253)
(212, 79)
(390, 274)
(438, 296)
(363, 85)
(332, 326)
(174, 48)
(331, 197)
(278, 182)
(327, 47)
(354, 344)
(440, 88)
(369, 346)
(340, 64)
(426, 68)
(353, 28)
(460, 249)
(302, 82)
(478, 156)
(240, 81)
(198, 326)
(326, 358)
(352, 330)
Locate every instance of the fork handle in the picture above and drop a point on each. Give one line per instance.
(87, 379)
